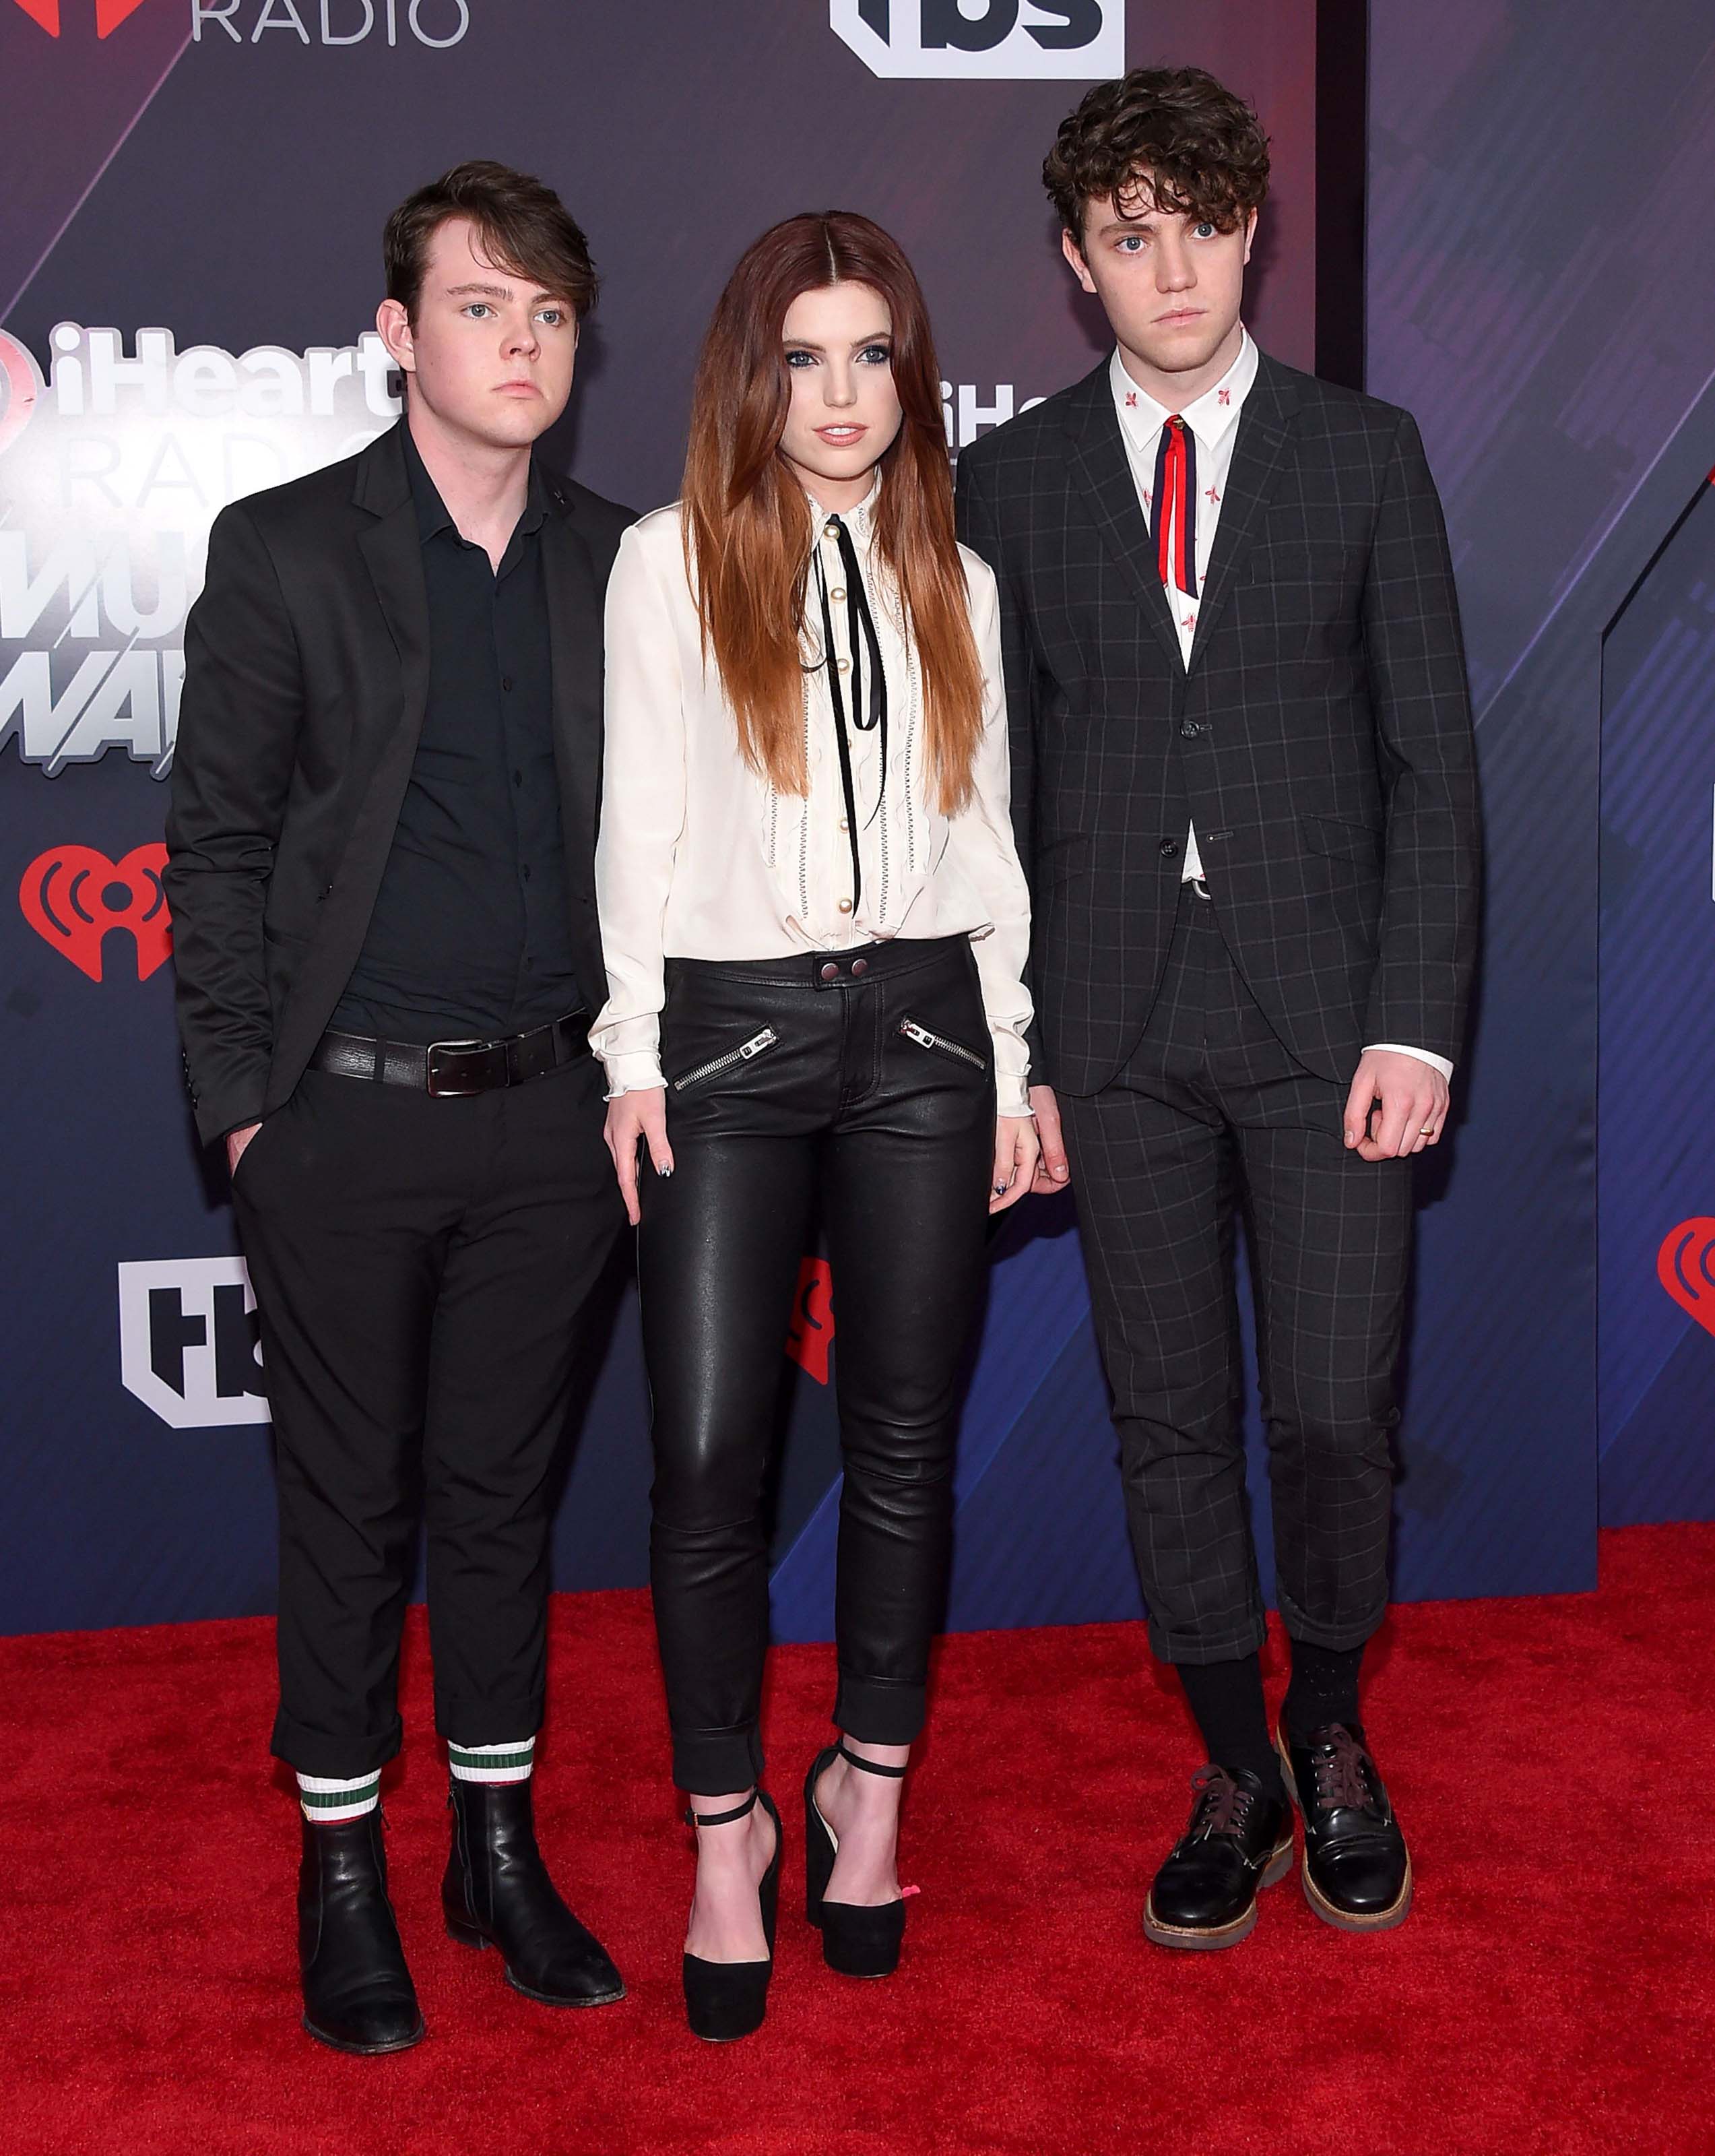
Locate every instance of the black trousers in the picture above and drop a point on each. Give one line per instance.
(423, 1268)
(1211, 1114)
(789, 1080)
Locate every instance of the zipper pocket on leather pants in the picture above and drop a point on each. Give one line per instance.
(939, 1041)
(757, 1045)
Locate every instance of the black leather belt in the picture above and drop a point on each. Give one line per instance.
(453, 1069)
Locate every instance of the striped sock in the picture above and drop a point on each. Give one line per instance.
(492, 1763)
(327, 1802)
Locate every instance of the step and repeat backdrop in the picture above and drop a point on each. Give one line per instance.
(1542, 295)
(189, 268)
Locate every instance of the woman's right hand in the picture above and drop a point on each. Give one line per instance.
(634, 1119)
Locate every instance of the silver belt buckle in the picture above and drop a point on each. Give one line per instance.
(439, 1091)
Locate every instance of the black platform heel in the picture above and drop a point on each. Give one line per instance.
(856, 1941)
(726, 2000)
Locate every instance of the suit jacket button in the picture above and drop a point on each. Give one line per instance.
(1169, 849)
(1190, 729)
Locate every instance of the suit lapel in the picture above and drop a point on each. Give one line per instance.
(1259, 455)
(392, 552)
(1102, 472)
(575, 637)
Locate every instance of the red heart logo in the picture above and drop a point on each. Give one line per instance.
(111, 13)
(1684, 1266)
(812, 1326)
(21, 387)
(72, 896)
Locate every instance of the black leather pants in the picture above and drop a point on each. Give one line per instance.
(862, 1078)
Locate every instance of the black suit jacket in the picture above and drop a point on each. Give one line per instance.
(1321, 737)
(306, 681)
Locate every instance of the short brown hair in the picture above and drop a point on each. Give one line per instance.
(523, 225)
(1201, 148)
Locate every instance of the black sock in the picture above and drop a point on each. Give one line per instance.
(1227, 1698)
(1323, 1689)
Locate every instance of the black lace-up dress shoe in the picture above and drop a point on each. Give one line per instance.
(496, 1892)
(357, 1991)
(1240, 1840)
(1357, 1870)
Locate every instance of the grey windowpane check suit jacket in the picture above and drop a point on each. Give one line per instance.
(1321, 737)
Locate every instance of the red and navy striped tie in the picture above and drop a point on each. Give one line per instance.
(1176, 508)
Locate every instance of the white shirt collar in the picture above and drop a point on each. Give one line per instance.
(1211, 416)
(859, 520)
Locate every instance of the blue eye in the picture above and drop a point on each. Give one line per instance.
(1206, 230)
(1131, 244)
(876, 355)
(801, 359)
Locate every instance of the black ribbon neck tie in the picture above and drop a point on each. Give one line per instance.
(869, 715)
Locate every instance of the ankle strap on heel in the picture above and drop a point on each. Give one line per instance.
(722, 1819)
(869, 1766)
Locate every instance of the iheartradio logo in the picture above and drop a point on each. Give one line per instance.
(812, 1331)
(436, 23)
(108, 14)
(1684, 1266)
(75, 897)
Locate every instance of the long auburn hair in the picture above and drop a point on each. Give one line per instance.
(748, 532)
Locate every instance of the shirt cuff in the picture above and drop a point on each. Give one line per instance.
(1011, 1097)
(636, 1070)
(1422, 1054)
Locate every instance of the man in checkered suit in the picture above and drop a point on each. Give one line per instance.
(1246, 798)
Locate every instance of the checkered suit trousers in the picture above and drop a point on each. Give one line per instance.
(1212, 1116)
(1320, 738)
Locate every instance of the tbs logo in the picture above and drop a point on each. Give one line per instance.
(995, 40)
(188, 1341)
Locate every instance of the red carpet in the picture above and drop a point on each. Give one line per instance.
(1552, 1992)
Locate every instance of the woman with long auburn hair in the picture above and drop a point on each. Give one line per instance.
(815, 926)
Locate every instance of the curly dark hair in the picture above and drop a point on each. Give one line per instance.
(1202, 147)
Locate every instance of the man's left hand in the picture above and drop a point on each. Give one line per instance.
(1398, 1105)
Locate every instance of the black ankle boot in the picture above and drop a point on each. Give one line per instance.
(496, 1892)
(358, 1995)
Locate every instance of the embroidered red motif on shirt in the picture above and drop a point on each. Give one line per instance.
(1213, 496)
(1131, 400)
(1190, 622)
(1224, 396)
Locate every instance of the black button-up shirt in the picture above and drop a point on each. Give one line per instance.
(471, 935)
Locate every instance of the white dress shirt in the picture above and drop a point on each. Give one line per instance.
(700, 857)
(1213, 422)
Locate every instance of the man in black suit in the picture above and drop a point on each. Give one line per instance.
(1245, 788)
(381, 875)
